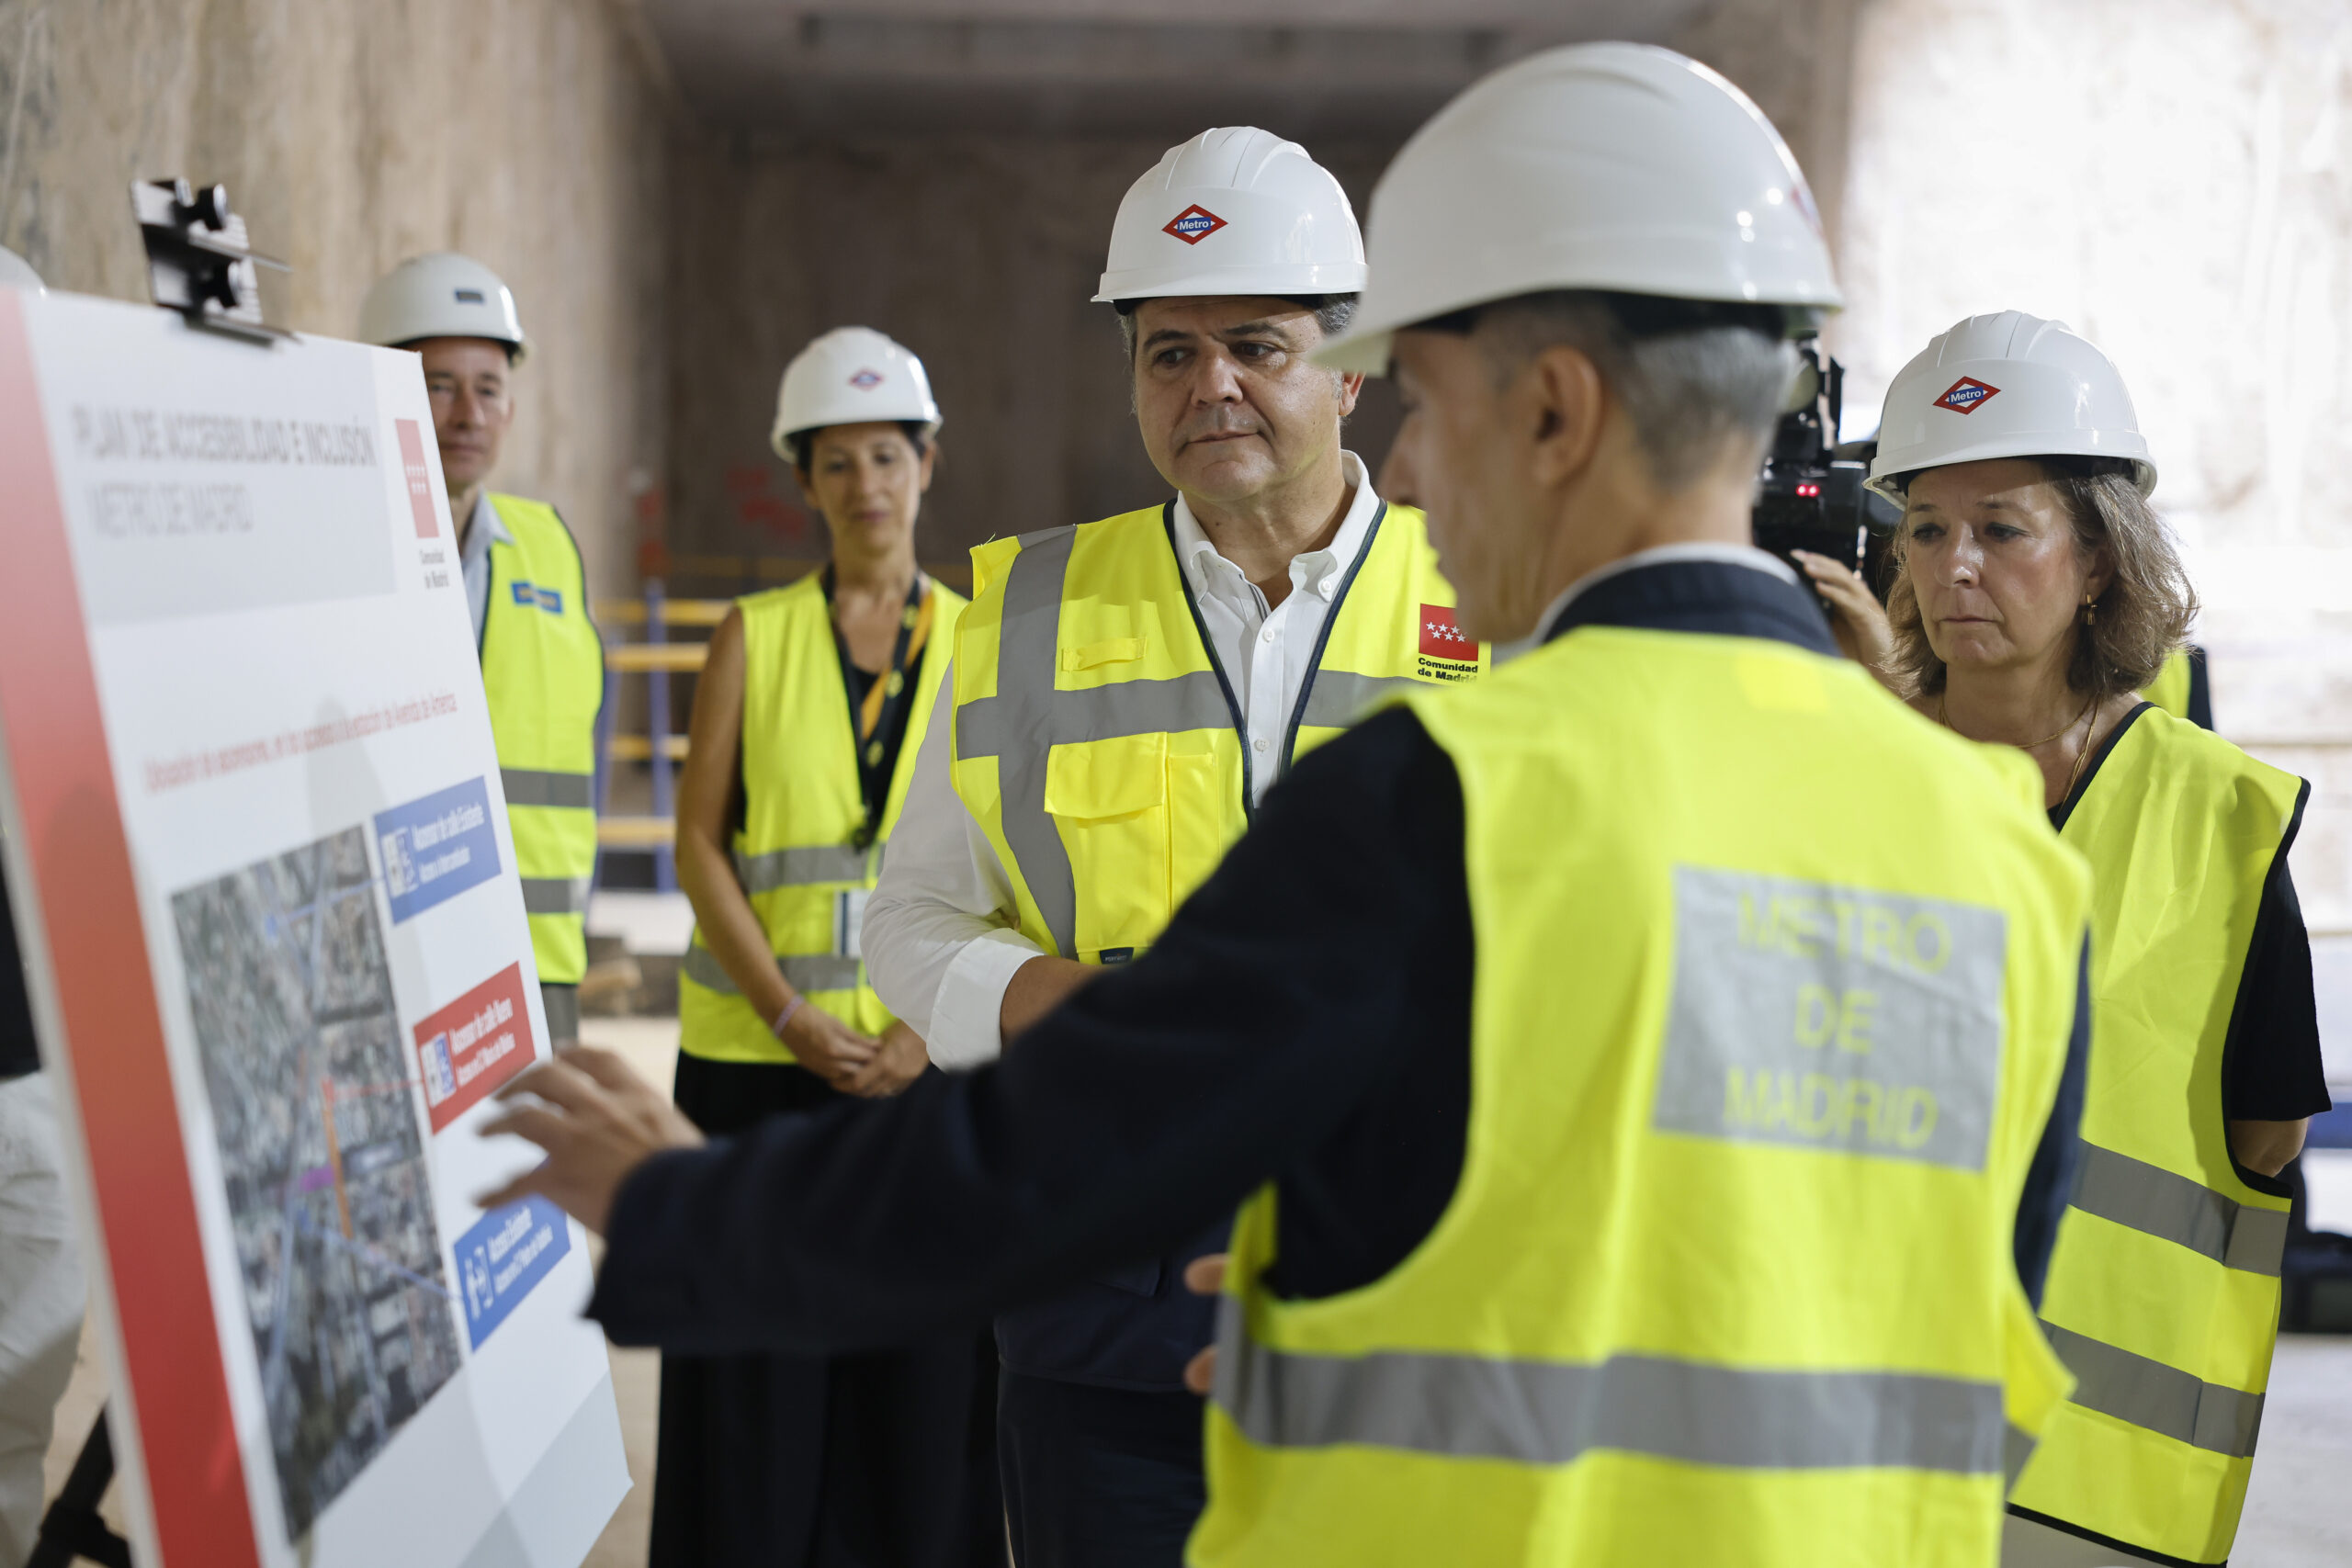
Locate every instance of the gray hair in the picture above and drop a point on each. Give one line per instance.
(1692, 376)
(1332, 314)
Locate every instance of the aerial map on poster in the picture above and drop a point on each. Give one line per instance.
(257, 835)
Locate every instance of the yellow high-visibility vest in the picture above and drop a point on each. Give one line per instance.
(795, 853)
(1774, 985)
(2163, 1295)
(543, 668)
(1096, 741)
(2169, 690)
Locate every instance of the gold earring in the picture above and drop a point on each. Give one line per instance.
(2090, 612)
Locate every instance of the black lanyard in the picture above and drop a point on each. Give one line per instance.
(870, 746)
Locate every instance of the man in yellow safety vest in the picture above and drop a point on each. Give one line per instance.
(542, 665)
(1124, 695)
(1649, 1071)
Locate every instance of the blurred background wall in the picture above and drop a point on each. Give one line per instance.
(2173, 177)
(353, 134)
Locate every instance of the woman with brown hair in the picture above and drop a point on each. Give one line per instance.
(2037, 595)
(806, 720)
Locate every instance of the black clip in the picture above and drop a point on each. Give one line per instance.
(199, 260)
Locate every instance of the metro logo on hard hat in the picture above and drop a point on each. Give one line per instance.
(1193, 224)
(866, 381)
(1965, 395)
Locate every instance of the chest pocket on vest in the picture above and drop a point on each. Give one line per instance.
(1108, 801)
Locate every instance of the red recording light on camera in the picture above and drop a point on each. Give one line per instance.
(1808, 491)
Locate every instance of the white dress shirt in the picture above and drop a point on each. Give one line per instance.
(937, 943)
(483, 529)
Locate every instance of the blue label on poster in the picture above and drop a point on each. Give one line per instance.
(436, 846)
(508, 1251)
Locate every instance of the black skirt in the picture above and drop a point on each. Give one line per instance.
(880, 1459)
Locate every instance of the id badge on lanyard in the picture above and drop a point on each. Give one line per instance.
(849, 915)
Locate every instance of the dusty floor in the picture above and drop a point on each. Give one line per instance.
(2298, 1515)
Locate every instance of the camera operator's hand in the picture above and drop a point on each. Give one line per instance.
(1857, 619)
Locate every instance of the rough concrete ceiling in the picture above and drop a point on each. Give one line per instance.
(1107, 67)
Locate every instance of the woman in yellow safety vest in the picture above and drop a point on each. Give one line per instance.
(807, 718)
(2037, 595)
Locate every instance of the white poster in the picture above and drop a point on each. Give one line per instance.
(258, 851)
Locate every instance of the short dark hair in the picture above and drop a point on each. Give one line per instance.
(1332, 314)
(918, 435)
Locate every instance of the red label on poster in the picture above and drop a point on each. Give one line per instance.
(420, 483)
(474, 1044)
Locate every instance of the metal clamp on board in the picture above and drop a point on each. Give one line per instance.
(199, 262)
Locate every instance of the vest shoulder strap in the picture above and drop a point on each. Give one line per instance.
(2162, 754)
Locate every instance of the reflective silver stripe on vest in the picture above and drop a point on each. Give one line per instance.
(2172, 1207)
(555, 895)
(2164, 1400)
(1338, 698)
(805, 866)
(532, 786)
(2016, 1447)
(1028, 719)
(561, 1004)
(802, 971)
(1553, 1411)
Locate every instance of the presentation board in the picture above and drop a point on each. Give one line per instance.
(258, 855)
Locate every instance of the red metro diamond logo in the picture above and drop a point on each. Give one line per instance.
(1193, 224)
(1441, 639)
(1965, 395)
(867, 381)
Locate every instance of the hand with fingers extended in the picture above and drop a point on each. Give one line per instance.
(596, 1120)
(898, 1062)
(827, 1046)
(1855, 618)
(1203, 1277)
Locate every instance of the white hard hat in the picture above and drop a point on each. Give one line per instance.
(15, 272)
(1612, 166)
(442, 295)
(849, 376)
(1235, 210)
(2007, 385)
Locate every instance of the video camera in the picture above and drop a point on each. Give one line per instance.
(1810, 497)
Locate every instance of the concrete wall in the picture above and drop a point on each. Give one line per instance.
(980, 253)
(353, 134)
(2173, 178)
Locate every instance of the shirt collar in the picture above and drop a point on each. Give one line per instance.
(1706, 592)
(487, 525)
(1317, 571)
(1658, 554)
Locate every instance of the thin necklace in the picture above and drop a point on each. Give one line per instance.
(2082, 753)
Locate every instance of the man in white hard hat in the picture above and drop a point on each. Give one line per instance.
(541, 661)
(1636, 1071)
(40, 1268)
(1124, 693)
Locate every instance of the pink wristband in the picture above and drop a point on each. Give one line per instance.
(784, 1017)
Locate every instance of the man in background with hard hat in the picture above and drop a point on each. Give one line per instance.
(1124, 693)
(1637, 1055)
(542, 664)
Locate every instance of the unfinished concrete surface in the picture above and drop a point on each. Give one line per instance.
(980, 248)
(2173, 178)
(354, 133)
